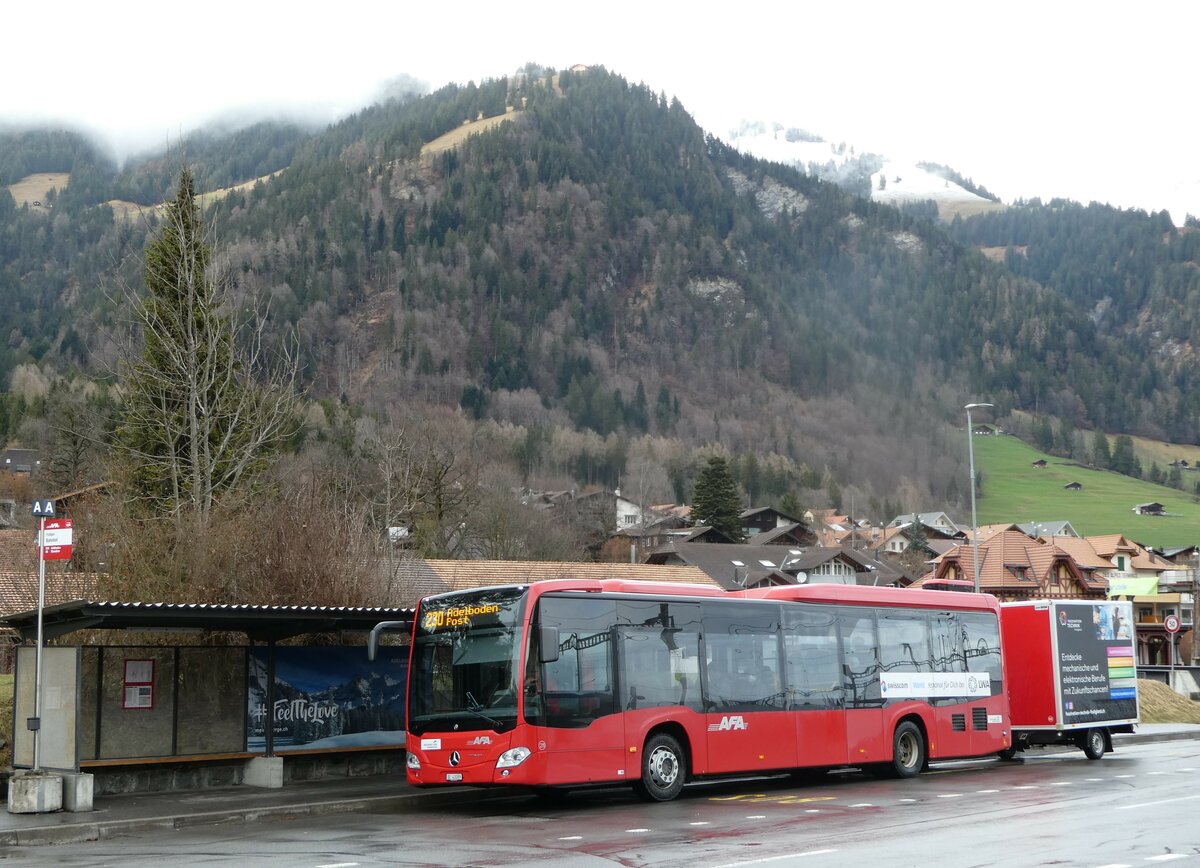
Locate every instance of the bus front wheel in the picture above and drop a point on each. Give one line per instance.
(908, 750)
(663, 769)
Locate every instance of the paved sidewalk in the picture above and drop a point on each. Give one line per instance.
(119, 815)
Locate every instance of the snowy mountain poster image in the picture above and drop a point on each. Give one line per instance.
(328, 698)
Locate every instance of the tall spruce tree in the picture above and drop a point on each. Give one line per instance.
(715, 500)
(203, 409)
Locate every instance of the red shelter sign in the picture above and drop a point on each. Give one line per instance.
(56, 539)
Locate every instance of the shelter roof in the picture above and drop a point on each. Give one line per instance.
(258, 622)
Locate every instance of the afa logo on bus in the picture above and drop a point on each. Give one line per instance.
(728, 722)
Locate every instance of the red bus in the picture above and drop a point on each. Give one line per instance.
(567, 683)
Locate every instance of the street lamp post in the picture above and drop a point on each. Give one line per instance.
(971, 460)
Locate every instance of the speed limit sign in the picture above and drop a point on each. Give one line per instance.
(1171, 624)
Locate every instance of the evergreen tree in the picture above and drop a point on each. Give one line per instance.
(1123, 460)
(197, 424)
(715, 500)
(1101, 456)
(1064, 440)
(1043, 434)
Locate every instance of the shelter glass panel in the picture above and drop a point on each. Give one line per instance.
(212, 706)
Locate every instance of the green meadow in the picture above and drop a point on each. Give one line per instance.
(1013, 490)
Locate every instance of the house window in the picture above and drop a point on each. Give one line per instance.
(1145, 614)
(1121, 563)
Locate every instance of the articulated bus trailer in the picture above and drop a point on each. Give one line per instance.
(1073, 678)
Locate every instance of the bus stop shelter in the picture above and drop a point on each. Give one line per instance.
(184, 701)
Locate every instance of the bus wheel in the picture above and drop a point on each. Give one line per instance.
(662, 769)
(1094, 744)
(1008, 753)
(908, 751)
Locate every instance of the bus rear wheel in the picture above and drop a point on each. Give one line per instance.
(908, 751)
(663, 769)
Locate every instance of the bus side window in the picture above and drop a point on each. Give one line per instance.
(811, 644)
(860, 661)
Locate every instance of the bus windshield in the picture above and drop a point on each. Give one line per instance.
(464, 664)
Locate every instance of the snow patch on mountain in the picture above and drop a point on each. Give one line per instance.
(863, 172)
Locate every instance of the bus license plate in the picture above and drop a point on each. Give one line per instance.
(454, 776)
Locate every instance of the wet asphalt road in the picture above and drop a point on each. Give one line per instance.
(1140, 806)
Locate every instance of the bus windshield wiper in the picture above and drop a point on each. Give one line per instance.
(473, 706)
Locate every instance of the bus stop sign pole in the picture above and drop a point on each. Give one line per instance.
(42, 510)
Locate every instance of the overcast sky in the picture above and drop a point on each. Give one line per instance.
(1051, 98)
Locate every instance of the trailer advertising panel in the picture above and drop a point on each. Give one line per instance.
(1095, 661)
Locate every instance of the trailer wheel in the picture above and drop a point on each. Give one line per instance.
(663, 769)
(1094, 744)
(908, 751)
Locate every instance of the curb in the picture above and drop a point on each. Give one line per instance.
(102, 830)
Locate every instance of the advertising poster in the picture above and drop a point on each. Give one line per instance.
(328, 698)
(1096, 661)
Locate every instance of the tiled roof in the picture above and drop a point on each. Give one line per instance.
(418, 578)
(20, 594)
(1140, 558)
(1082, 551)
(19, 576)
(1008, 554)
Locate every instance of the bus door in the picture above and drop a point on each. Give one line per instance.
(746, 719)
(572, 698)
(814, 684)
(865, 740)
(658, 648)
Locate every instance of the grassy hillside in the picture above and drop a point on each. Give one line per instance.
(1014, 490)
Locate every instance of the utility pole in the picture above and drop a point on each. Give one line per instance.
(971, 460)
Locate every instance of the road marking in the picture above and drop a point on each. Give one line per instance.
(863, 805)
(906, 801)
(637, 830)
(757, 817)
(1115, 865)
(813, 811)
(775, 858)
(1156, 773)
(1166, 857)
(1095, 781)
(1061, 783)
(950, 795)
(1155, 804)
(1026, 787)
(699, 823)
(738, 797)
(985, 792)
(568, 838)
(338, 865)
(1123, 776)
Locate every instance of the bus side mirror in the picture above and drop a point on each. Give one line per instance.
(373, 638)
(547, 644)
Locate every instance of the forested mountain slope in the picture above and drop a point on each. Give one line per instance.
(599, 263)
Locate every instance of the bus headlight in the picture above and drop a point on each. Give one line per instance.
(513, 757)
(413, 763)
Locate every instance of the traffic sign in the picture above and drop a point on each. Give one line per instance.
(43, 509)
(1171, 624)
